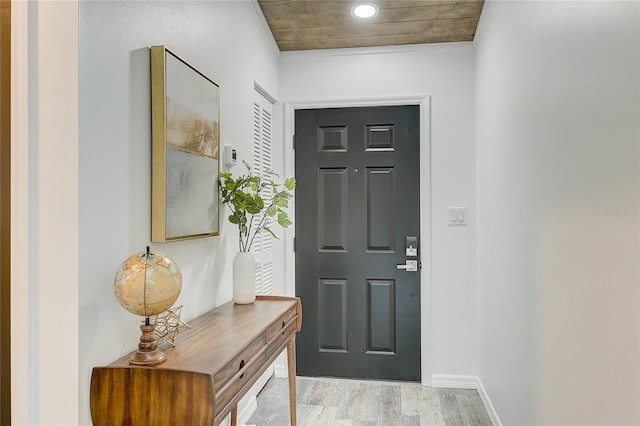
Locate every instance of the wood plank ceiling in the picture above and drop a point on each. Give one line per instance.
(310, 24)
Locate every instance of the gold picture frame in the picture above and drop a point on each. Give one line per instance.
(185, 118)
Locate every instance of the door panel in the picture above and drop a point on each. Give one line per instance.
(332, 299)
(332, 209)
(380, 199)
(357, 200)
(381, 317)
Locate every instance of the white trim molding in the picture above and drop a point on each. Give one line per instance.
(265, 26)
(280, 371)
(45, 214)
(21, 381)
(454, 382)
(247, 411)
(480, 28)
(484, 396)
(467, 382)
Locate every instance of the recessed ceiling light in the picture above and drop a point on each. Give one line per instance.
(364, 10)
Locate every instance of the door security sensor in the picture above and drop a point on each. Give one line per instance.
(230, 156)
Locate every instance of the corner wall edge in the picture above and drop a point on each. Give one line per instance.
(467, 382)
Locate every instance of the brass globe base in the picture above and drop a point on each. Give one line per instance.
(148, 353)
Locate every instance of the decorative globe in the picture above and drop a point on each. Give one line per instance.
(147, 283)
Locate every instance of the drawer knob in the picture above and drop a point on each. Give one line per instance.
(283, 327)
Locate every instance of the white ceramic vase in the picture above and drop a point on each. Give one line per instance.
(244, 278)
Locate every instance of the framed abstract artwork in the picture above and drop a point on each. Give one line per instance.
(185, 118)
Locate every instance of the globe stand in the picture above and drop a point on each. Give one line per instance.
(147, 284)
(148, 353)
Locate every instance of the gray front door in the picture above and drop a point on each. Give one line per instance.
(357, 209)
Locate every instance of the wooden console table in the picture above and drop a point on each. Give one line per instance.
(212, 366)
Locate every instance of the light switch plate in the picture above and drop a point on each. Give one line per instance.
(458, 216)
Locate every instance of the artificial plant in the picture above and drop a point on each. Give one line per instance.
(253, 201)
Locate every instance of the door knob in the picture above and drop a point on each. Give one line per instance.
(410, 266)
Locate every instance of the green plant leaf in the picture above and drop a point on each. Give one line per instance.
(259, 202)
(267, 229)
(283, 220)
(290, 183)
(280, 201)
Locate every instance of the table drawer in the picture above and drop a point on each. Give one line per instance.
(281, 337)
(237, 381)
(229, 370)
(279, 325)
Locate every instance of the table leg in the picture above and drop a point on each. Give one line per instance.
(234, 416)
(291, 370)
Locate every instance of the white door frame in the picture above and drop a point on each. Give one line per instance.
(44, 213)
(424, 101)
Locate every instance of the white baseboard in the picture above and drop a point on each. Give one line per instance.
(247, 411)
(248, 404)
(453, 381)
(488, 405)
(280, 365)
(467, 382)
(281, 370)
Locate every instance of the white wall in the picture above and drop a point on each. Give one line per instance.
(226, 41)
(446, 73)
(558, 211)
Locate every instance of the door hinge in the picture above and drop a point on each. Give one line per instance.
(294, 142)
(294, 244)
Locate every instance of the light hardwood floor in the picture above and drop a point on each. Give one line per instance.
(339, 402)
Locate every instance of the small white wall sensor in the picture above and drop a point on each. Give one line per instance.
(230, 156)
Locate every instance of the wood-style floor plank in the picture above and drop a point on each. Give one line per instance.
(339, 402)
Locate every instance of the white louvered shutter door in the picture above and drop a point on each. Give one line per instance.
(262, 248)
